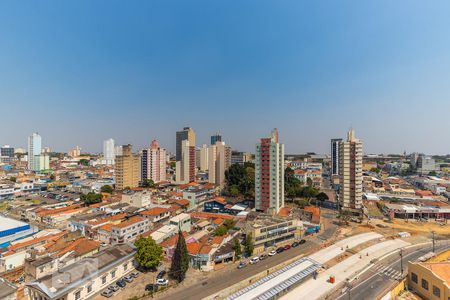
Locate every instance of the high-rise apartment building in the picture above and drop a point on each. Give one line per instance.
(216, 138)
(34, 149)
(350, 172)
(219, 160)
(75, 152)
(153, 163)
(240, 158)
(269, 174)
(203, 158)
(6, 154)
(335, 156)
(185, 168)
(186, 134)
(127, 168)
(109, 152)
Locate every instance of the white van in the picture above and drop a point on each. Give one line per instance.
(254, 260)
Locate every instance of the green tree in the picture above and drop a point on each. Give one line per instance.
(249, 246)
(149, 254)
(106, 189)
(83, 162)
(12, 178)
(148, 183)
(237, 248)
(240, 180)
(234, 191)
(180, 260)
(221, 230)
(52, 177)
(302, 203)
(322, 196)
(229, 224)
(309, 181)
(292, 185)
(91, 198)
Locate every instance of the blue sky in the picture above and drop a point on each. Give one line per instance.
(79, 72)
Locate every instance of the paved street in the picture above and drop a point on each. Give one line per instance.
(383, 274)
(227, 277)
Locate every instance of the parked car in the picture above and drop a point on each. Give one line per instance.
(263, 256)
(113, 288)
(121, 283)
(107, 293)
(295, 244)
(161, 274)
(241, 265)
(287, 247)
(272, 253)
(134, 274)
(254, 260)
(302, 242)
(279, 250)
(151, 287)
(128, 278)
(162, 281)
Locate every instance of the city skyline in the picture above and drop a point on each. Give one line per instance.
(313, 70)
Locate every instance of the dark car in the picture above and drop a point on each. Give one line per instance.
(151, 287)
(295, 244)
(161, 274)
(287, 247)
(241, 265)
(302, 242)
(279, 250)
(121, 283)
(263, 256)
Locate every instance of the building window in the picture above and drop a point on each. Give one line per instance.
(425, 284)
(113, 273)
(436, 291)
(103, 279)
(414, 277)
(89, 288)
(77, 295)
(125, 266)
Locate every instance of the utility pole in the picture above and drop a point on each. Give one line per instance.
(401, 260)
(433, 241)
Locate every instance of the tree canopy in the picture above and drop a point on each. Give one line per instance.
(91, 198)
(106, 189)
(240, 180)
(148, 183)
(149, 254)
(249, 246)
(221, 230)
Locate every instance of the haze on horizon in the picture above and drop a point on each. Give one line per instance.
(81, 72)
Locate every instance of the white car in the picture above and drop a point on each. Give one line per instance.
(162, 281)
(272, 253)
(254, 260)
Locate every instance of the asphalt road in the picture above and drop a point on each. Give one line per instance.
(383, 274)
(229, 277)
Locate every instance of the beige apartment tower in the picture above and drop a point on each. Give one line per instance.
(186, 134)
(127, 168)
(219, 160)
(350, 173)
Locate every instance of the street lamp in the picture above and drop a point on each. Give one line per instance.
(401, 260)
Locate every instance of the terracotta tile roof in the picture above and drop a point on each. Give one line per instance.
(209, 185)
(205, 215)
(81, 246)
(423, 193)
(155, 211)
(440, 269)
(47, 212)
(107, 219)
(171, 241)
(220, 200)
(217, 240)
(107, 227)
(35, 241)
(193, 248)
(218, 221)
(205, 249)
(183, 202)
(284, 212)
(129, 222)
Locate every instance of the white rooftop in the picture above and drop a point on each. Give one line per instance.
(6, 223)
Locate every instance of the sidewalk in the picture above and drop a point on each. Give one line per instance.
(316, 289)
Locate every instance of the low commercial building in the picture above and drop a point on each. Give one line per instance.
(127, 231)
(431, 280)
(137, 199)
(181, 221)
(85, 278)
(270, 231)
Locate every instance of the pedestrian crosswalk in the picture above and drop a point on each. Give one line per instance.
(388, 271)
